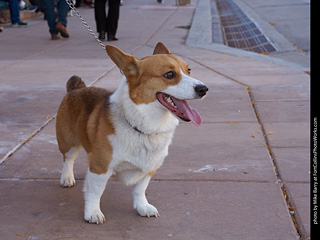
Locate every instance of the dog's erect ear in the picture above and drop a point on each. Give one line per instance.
(161, 49)
(126, 62)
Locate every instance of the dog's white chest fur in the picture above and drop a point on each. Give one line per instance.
(142, 136)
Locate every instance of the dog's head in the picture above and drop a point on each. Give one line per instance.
(162, 77)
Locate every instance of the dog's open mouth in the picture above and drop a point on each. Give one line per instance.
(180, 108)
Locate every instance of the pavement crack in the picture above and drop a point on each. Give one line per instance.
(38, 130)
(19, 145)
(266, 143)
(274, 164)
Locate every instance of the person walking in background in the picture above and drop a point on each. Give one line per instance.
(15, 14)
(106, 24)
(59, 26)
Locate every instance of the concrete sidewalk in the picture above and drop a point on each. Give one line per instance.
(242, 175)
(285, 23)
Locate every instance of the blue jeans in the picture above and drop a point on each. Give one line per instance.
(14, 11)
(62, 8)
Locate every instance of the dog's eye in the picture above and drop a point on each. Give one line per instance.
(170, 75)
(189, 70)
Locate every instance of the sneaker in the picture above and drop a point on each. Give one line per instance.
(20, 24)
(29, 8)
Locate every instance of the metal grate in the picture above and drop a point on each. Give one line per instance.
(239, 31)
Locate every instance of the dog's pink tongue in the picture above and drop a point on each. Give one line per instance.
(192, 114)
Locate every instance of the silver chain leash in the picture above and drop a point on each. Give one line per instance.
(73, 8)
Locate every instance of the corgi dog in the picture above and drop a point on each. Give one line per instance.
(126, 133)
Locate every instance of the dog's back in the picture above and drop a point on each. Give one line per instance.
(79, 104)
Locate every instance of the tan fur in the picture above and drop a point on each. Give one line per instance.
(143, 87)
(126, 134)
(83, 116)
(83, 119)
(161, 49)
(75, 82)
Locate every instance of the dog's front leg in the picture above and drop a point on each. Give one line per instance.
(93, 189)
(140, 201)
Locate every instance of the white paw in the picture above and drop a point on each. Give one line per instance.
(147, 210)
(67, 181)
(67, 176)
(95, 216)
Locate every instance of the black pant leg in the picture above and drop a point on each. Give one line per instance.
(100, 15)
(113, 17)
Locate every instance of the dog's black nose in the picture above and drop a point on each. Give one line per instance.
(201, 90)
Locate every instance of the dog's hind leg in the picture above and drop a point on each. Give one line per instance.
(67, 176)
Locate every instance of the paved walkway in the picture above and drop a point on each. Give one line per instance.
(285, 23)
(242, 175)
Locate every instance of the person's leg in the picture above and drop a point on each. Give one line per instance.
(14, 11)
(50, 16)
(100, 14)
(40, 5)
(61, 24)
(63, 9)
(113, 17)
